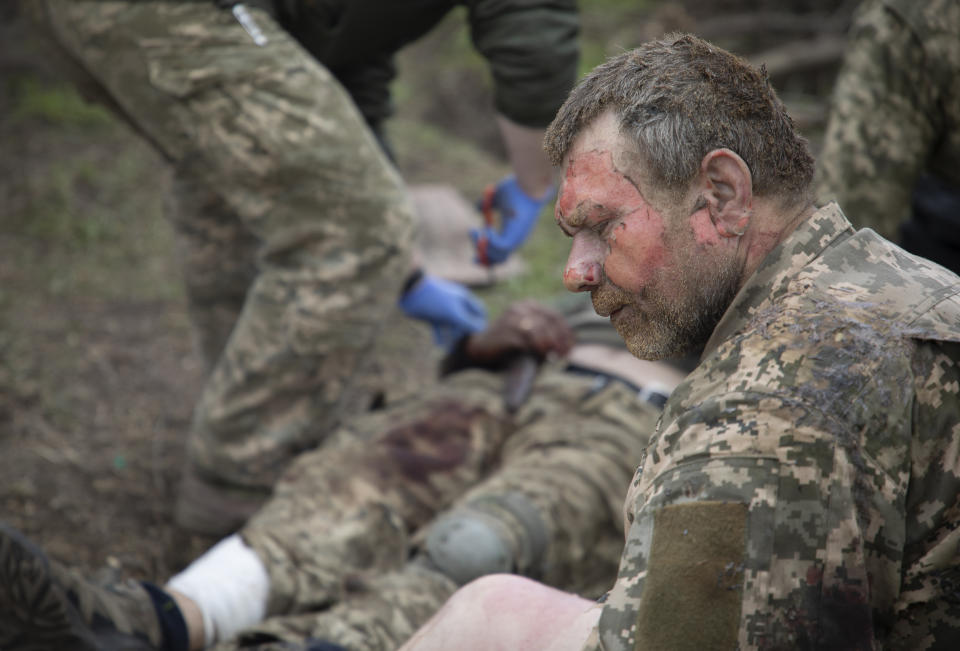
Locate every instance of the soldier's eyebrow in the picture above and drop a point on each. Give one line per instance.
(585, 215)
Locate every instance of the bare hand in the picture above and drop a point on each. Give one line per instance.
(526, 326)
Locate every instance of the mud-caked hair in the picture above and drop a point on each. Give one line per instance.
(679, 98)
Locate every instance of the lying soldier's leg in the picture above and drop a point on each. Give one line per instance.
(552, 511)
(575, 470)
(336, 512)
(346, 509)
(415, 600)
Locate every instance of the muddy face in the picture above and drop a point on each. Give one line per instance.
(659, 273)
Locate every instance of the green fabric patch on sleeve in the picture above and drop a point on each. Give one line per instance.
(692, 591)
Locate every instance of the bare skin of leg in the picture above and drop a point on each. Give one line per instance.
(192, 616)
(508, 612)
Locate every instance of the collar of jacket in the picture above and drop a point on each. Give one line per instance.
(771, 279)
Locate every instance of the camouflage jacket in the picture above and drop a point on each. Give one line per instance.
(531, 47)
(801, 491)
(895, 112)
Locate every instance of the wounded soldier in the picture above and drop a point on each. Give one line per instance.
(494, 469)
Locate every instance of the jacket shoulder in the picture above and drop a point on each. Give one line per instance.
(872, 277)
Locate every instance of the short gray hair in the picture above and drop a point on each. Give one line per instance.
(677, 99)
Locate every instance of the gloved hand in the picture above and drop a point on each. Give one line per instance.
(452, 309)
(518, 215)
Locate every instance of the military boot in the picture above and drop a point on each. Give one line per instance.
(45, 606)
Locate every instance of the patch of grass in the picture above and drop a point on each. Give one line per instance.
(55, 103)
(55, 213)
(87, 207)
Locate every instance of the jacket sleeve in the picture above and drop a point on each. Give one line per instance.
(533, 52)
(745, 530)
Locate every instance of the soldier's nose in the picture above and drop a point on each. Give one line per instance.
(581, 274)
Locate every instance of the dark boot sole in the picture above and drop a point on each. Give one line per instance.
(35, 612)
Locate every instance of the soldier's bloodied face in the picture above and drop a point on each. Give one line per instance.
(654, 270)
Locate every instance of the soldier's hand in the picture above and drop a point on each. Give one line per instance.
(450, 308)
(526, 326)
(518, 215)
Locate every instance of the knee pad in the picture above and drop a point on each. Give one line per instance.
(492, 535)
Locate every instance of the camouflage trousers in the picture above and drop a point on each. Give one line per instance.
(344, 521)
(294, 228)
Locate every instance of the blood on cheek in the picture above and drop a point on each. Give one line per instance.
(637, 250)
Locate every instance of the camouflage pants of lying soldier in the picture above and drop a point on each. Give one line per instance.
(364, 539)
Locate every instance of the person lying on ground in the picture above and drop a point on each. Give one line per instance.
(494, 469)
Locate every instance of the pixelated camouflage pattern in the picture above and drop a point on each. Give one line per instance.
(827, 403)
(344, 520)
(895, 111)
(263, 138)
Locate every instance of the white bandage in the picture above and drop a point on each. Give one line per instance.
(230, 586)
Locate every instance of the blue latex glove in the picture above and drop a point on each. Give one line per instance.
(452, 309)
(518, 215)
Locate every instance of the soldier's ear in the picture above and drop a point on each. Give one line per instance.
(727, 188)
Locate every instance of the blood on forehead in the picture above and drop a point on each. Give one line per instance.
(593, 187)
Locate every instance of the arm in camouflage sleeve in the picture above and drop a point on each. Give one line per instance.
(883, 124)
(748, 529)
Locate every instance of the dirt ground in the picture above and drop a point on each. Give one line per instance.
(96, 382)
(98, 374)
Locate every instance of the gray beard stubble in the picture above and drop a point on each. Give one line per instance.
(661, 328)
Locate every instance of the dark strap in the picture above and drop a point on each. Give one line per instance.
(173, 626)
(655, 398)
